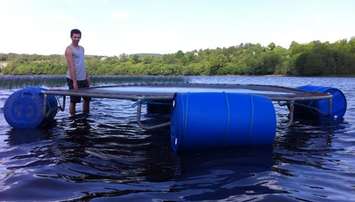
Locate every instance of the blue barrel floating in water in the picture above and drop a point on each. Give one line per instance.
(159, 106)
(212, 120)
(25, 108)
(321, 108)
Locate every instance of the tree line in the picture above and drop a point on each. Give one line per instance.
(311, 59)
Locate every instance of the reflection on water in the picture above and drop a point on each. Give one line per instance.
(105, 156)
(25, 136)
(225, 170)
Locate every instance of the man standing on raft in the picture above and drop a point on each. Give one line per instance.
(77, 76)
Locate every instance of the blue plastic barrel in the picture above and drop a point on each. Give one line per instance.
(212, 120)
(159, 106)
(25, 108)
(321, 108)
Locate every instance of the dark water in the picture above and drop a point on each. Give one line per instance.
(107, 157)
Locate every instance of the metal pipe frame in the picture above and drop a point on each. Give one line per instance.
(170, 96)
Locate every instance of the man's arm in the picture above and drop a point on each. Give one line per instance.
(71, 66)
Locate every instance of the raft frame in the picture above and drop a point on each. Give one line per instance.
(277, 94)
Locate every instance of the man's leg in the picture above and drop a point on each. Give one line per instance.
(86, 106)
(73, 99)
(72, 108)
(86, 100)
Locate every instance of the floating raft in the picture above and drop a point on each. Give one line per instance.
(202, 116)
(167, 91)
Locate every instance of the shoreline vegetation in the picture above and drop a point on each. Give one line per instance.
(46, 80)
(312, 59)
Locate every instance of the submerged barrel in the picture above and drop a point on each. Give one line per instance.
(212, 120)
(322, 108)
(25, 108)
(159, 106)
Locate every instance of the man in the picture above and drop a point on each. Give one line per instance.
(77, 76)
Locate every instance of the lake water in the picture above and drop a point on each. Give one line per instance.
(107, 157)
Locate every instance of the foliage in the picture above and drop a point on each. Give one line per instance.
(312, 59)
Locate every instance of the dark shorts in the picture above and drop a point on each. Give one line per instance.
(81, 84)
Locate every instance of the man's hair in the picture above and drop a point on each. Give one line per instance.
(75, 31)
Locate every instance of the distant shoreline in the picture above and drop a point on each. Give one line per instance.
(311, 59)
(2, 76)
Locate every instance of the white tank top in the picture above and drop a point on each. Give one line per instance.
(79, 63)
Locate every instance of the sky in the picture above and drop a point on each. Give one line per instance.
(113, 27)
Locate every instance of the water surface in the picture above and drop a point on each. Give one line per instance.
(106, 157)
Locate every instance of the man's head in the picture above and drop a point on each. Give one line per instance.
(75, 31)
(75, 36)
